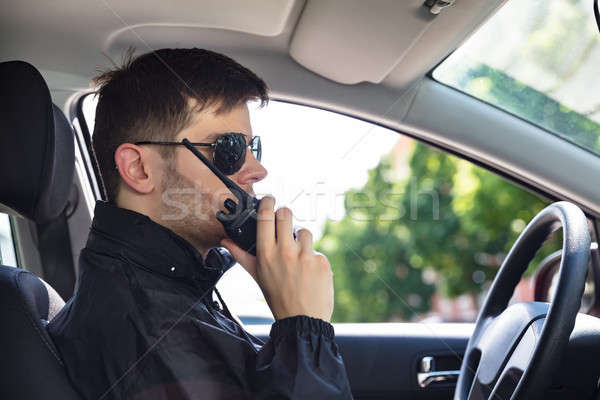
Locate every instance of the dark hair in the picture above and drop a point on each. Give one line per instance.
(148, 98)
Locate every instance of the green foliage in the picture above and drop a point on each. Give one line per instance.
(368, 251)
(531, 105)
(480, 218)
(450, 218)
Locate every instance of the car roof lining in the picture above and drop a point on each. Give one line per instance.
(398, 44)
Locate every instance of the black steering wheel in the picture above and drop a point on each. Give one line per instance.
(515, 350)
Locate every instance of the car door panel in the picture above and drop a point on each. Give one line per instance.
(383, 359)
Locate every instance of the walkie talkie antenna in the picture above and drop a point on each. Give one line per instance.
(231, 185)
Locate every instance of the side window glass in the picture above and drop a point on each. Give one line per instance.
(313, 157)
(423, 238)
(7, 248)
(412, 233)
(88, 107)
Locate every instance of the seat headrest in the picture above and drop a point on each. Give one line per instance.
(41, 301)
(36, 146)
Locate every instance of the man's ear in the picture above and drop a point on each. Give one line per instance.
(134, 167)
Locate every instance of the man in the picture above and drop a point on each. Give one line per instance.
(142, 323)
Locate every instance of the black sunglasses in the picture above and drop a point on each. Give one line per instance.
(229, 150)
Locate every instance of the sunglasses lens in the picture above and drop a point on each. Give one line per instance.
(230, 153)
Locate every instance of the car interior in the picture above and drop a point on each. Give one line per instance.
(372, 61)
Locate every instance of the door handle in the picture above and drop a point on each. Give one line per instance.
(428, 375)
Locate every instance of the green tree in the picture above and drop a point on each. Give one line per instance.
(450, 217)
(531, 104)
(369, 253)
(480, 217)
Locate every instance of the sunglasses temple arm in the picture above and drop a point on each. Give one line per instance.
(231, 185)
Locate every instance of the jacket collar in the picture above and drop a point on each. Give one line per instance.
(136, 238)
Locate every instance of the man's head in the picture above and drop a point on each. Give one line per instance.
(169, 95)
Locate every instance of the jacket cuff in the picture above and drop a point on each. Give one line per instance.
(301, 324)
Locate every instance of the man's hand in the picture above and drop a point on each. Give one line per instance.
(294, 279)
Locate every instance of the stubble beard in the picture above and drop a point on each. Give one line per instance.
(198, 224)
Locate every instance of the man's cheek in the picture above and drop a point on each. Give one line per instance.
(207, 202)
(202, 205)
(175, 205)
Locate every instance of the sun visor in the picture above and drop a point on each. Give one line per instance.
(351, 41)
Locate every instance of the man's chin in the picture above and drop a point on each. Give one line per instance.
(219, 236)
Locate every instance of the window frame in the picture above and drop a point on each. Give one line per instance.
(84, 149)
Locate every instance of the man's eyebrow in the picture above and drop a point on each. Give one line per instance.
(214, 136)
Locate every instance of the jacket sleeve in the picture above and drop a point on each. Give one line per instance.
(301, 361)
(202, 359)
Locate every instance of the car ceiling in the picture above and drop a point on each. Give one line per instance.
(369, 59)
(347, 41)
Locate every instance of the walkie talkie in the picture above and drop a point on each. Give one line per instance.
(240, 223)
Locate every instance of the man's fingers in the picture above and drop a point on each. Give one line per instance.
(265, 235)
(284, 226)
(246, 260)
(305, 239)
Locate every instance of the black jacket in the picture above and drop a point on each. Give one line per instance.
(143, 325)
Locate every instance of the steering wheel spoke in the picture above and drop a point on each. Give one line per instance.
(505, 343)
(518, 362)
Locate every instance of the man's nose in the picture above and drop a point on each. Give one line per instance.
(252, 171)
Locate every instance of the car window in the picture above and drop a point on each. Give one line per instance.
(412, 233)
(88, 106)
(7, 248)
(543, 70)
